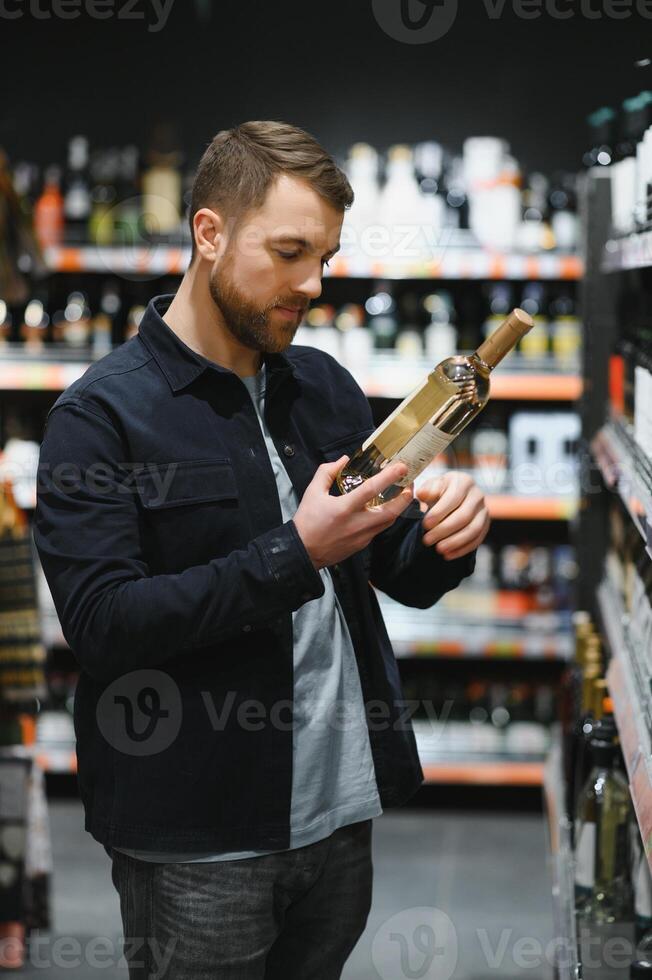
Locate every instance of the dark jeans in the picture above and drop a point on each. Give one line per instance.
(293, 915)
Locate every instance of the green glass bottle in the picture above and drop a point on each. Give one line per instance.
(603, 886)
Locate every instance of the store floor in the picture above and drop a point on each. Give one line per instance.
(470, 879)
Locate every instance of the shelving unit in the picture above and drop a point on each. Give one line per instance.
(626, 471)
(562, 864)
(449, 262)
(632, 252)
(629, 685)
(463, 753)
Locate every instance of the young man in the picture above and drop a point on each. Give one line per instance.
(239, 717)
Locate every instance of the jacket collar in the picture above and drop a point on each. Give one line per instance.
(179, 363)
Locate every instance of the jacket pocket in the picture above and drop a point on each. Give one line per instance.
(190, 513)
(179, 484)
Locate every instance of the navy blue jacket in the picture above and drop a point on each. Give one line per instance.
(174, 577)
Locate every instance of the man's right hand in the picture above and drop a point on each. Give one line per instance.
(332, 528)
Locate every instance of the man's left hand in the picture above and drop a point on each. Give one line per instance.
(457, 519)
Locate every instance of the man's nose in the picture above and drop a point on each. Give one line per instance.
(310, 284)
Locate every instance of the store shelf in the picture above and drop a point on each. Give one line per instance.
(391, 376)
(632, 252)
(503, 645)
(562, 863)
(479, 754)
(39, 375)
(474, 773)
(55, 742)
(627, 472)
(451, 262)
(388, 376)
(630, 691)
(62, 761)
(515, 507)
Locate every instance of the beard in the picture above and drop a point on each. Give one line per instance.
(248, 323)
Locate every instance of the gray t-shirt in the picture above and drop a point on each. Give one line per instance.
(334, 781)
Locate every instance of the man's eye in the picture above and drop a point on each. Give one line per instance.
(289, 255)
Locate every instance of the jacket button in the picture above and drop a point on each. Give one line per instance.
(246, 629)
(288, 450)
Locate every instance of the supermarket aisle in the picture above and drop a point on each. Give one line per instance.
(486, 871)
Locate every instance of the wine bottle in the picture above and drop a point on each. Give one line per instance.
(428, 420)
(603, 888)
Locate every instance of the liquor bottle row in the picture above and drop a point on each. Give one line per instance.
(481, 699)
(110, 195)
(430, 192)
(517, 579)
(612, 881)
(630, 385)
(531, 453)
(430, 325)
(107, 196)
(74, 325)
(622, 141)
(412, 324)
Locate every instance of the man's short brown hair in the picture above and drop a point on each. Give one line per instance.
(240, 164)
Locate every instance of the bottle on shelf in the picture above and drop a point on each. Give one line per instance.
(595, 703)
(77, 197)
(33, 330)
(428, 420)
(564, 221)
(457, 201)
(104, 175)
(362, 171)
(566, 333)
(5, 323)
(325, 335)
(489, 447)
(48, 210)
(642, 883)
(73, 327)
(104, 326)
(534, 232)
(135, 315)
(409, 340)
(400, 205)
(382, 319)
(535, 345)
(161, 186)
(429, 164)
(440, 335)
(354, 339)
(602, 124)
(603, 888)
(128, 224)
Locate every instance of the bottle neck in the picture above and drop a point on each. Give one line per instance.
(504, 338)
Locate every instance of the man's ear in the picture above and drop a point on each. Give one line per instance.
(208, 229)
